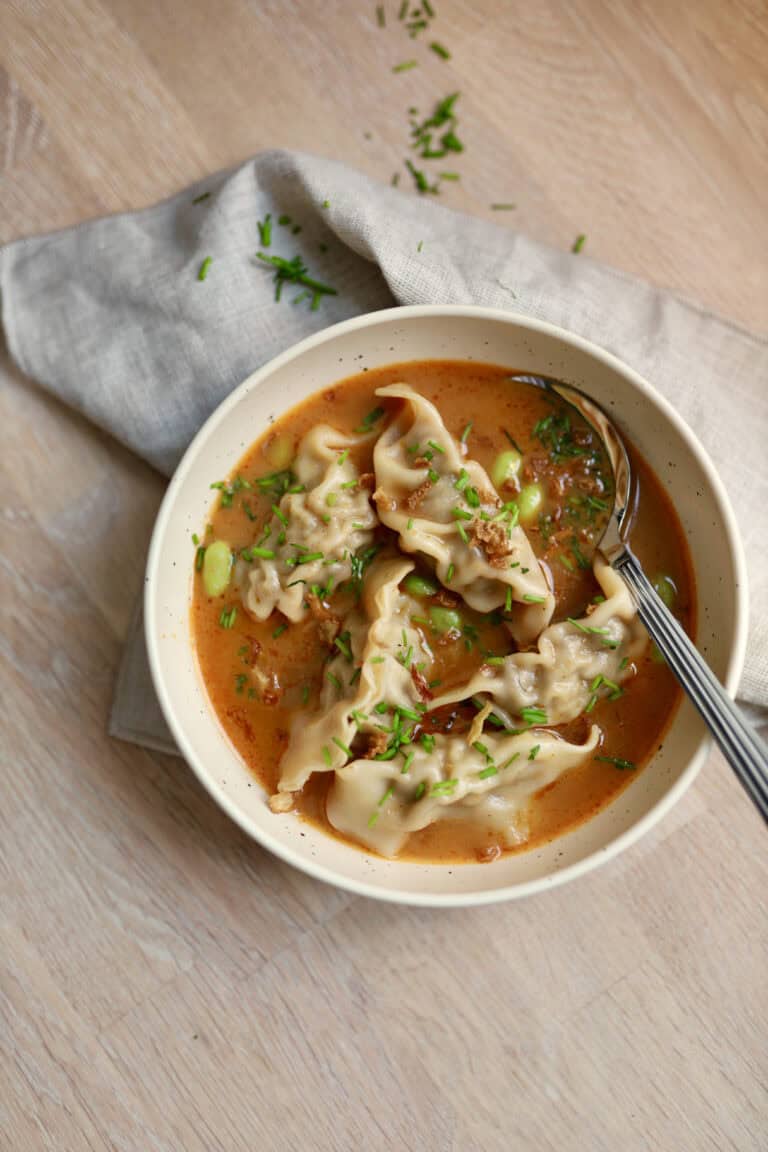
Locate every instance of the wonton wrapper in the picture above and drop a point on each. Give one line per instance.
(377, 638)
(355, 807)
(557, 678)
(321, 467)
(434, 532)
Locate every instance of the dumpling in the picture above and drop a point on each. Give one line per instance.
(368, 694)
(576, 660)
(315, 532)
(489, 782)
(445, 507)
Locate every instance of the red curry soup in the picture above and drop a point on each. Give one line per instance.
(406, 629)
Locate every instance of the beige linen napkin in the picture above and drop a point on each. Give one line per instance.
(111, 316)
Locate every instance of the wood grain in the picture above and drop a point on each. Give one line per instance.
(165, 984)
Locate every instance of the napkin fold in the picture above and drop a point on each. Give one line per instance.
(113, 317)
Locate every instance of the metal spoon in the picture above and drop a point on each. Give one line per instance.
(742, 747)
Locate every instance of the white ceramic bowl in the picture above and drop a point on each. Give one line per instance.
(463, 333)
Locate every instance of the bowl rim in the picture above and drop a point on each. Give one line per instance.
(317, 870)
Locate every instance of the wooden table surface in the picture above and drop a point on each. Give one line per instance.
(164, 983)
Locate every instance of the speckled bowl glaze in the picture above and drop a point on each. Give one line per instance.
(462, 333)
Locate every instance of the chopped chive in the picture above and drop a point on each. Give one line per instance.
(343, 645)
(409, 714)
(376, 660)
(420, 790)
(395, 179)
(461, 481)
(304, 694)
(433, 476)
(508, 600)
(202, 271)
(381, 19)
(409, 525)
(591, 702)
(331, 498)
(199, 199)
(566, 563)
(228, 617)
(490, 770)
(578, 243)
(265, 230)
(355, 676)
(460, 514)
(587, 628)
(427, 742)
(387, 795)
(279, 631)
(340, 744)
(449, 573)
(440, 51)
(349, 484)
(534, 752)
(327, 755)
(494, 659)
(305, 558)
(443, 788)
(195, 538)
(480, 747)
(503, 207)
(369, 420)
(533, 715)
(419, 247)
(408, 761)
(449, 176)
(284, 220)
(332, 679)
(280, 515)
(199, 558)
(462, 532)
(511, 760)
(624, 664)
(472, 496)
(301, 296)
(617, 762)
(405, 66)
(403, 10)
(428, 9)
(343, 457)
(533, 599)
(466, 432)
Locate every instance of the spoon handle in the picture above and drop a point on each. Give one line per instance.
(742, 747)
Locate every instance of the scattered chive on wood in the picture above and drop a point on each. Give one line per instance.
(578, 243)
(440, 51)
(265, 230)
(203, 269)
(405, 66)
(199, 199)
(503, 207)
(381, 19)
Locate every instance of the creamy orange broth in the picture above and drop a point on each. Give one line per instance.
(633, 725)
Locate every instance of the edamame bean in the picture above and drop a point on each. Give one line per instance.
(445, 620)
(530, 502)
(506, 467)
(665, 587)
(279, 452)
(419, 585)
(217, 568)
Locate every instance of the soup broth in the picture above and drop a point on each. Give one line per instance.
(551, 456)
